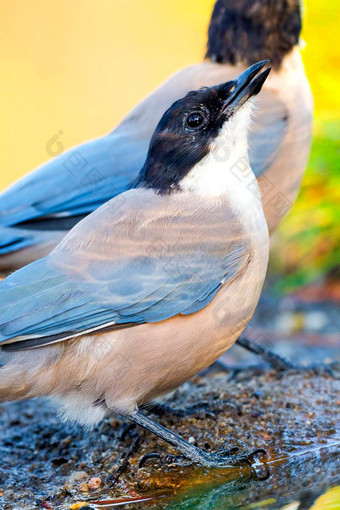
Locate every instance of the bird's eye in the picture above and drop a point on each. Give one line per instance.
(195, 120)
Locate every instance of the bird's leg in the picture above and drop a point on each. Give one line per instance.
(275, 360)
(280, 363)
(210, 460)
(124, 460)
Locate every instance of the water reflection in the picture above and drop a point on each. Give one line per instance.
(295, 483)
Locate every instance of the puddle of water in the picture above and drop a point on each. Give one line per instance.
(307, 479)
(294, 483)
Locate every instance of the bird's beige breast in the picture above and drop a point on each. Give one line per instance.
(127, 367)
(132, 366)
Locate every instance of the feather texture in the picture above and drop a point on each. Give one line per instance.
(137, 259)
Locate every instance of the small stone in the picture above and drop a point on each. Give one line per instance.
(191, 440)
(84, 487)
(76, 476)
(94, 482)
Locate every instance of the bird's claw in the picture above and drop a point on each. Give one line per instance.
(318, 369)
(234, 450)
(147, 457)
(233, 457)
(230, 457)
(173, 460)
(259, 468)
(257, 452)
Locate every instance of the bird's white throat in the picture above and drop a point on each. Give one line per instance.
(226, 169)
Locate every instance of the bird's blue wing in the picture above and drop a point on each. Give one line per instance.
(147, 266)
(12, 239)
(69, 186)
(41, 235)
(76, 182)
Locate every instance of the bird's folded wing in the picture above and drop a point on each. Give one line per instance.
(13, 239)
(76, 182)
(139, 258)
(267, 134)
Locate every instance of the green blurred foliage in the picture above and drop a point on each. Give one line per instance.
(307, 245)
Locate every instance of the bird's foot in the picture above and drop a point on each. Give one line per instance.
(272, 358)
(224, 458)
(282, 364)
(234, 457)
(168, 459)
(319, 369)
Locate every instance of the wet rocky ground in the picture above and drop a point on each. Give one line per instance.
(293, 415)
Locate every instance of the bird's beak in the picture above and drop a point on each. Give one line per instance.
(246, 85)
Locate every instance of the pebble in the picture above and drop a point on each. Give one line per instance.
(94, 482)
(76, 476)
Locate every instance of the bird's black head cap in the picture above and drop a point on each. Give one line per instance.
(187, 129)
(244, 31)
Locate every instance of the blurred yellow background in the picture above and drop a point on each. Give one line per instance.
(79, 66)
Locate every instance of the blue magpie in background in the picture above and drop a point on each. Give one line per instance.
(155, 284)
(38, 210)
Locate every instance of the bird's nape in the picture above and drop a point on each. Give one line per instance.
(243, 31)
